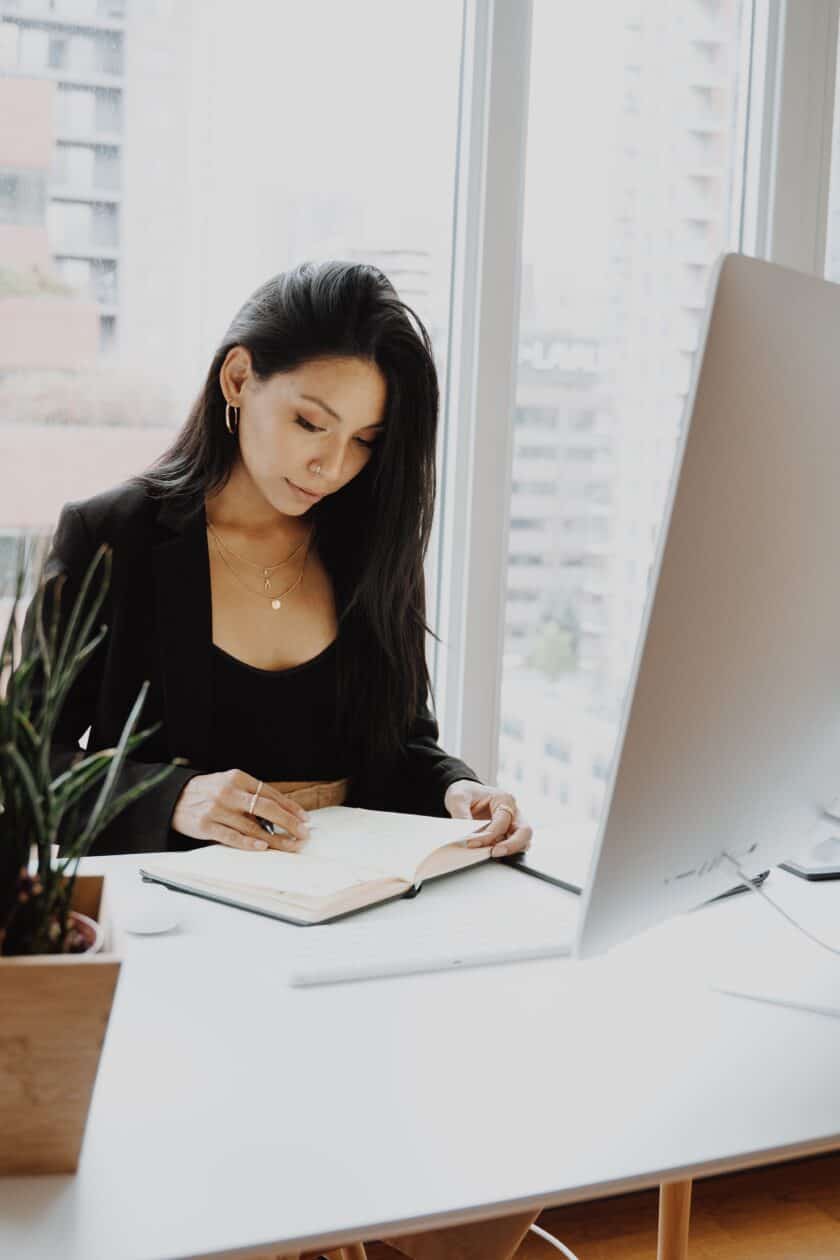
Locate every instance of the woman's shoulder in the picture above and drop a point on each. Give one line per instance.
(117, 513)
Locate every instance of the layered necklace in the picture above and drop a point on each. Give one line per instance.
(275, 601)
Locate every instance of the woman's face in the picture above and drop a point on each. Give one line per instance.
(327, 412)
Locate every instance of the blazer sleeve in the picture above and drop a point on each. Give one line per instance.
(426, 771)
(144, 825)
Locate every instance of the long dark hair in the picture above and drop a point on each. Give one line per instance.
(373, 533)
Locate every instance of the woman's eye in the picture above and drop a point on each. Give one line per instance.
(313, 428)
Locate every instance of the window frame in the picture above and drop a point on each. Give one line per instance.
(468, 548)
(788, 124)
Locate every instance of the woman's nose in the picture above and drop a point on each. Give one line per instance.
(331, 462)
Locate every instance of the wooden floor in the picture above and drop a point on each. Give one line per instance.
(785, 1212)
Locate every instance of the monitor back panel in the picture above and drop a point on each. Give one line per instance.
(731, 737)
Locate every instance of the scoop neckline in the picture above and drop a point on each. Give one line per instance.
(291, 669)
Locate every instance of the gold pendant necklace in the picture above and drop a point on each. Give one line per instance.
(276, 602)
(266, 570)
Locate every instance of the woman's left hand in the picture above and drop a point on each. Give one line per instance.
(508, 833)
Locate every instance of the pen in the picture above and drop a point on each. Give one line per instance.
(269, 826)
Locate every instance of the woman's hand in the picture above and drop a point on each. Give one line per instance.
(215, 807)
(508, 832)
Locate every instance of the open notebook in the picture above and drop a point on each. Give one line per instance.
(352, 859)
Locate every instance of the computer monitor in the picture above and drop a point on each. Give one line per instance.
(730, 738)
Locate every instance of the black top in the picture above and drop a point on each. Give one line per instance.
(158, 614)
(276, 724)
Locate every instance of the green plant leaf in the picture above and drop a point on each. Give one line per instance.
(94, 825)
(79, 623)
(35, 801)
(77, 779)
(30, 786)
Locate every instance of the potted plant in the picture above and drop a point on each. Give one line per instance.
(57, 978)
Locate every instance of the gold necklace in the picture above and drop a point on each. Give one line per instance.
(266, 570)
(276, 602)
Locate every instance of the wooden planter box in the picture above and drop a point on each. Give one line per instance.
(53, 1016)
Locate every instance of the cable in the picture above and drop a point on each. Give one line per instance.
(555, 1242)
(757, 889)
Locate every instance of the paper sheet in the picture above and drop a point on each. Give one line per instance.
(269, 870)
(395, 844)
(346, 847)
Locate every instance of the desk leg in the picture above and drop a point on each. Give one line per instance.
(674, 1213)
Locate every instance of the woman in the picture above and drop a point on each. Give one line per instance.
(267, 579)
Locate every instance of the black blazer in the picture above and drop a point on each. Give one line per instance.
(158, 613)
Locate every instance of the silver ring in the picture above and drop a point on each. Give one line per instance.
(254, 799)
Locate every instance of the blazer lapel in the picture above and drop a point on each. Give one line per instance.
(185, 630)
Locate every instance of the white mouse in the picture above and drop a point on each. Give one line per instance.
(148, 915)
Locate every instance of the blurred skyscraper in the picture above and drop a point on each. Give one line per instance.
(78, 47)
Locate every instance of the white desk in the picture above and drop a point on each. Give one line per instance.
(231, 1112)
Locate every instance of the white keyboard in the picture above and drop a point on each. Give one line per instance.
(333, 953)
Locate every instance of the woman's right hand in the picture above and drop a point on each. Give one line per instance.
(214, 807)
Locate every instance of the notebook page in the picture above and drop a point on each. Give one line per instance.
(395, 844)
(269, 870)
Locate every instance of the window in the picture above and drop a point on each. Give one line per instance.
(147, 243)
(10, 542)
(534, 487)
(32, 50)
(559, 751)
(615, 255)
(75, 272)
(537, 452)
(9, 46)
(108, 112)
(109, 55)
(77, 165)
(105, 172)
(57, 58)
(22, 197)
(520, 522)
(524, 559)
(536, 417)
(832, 242)
(9, 185)
(75, 110)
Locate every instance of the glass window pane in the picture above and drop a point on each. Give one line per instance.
(635, 142)
(232, 141)
(832, 241)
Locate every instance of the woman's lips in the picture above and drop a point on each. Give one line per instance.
(312, 497)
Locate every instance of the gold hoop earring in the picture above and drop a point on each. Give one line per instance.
(228, 409)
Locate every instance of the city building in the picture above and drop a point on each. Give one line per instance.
(76, 46)
(676, 209)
